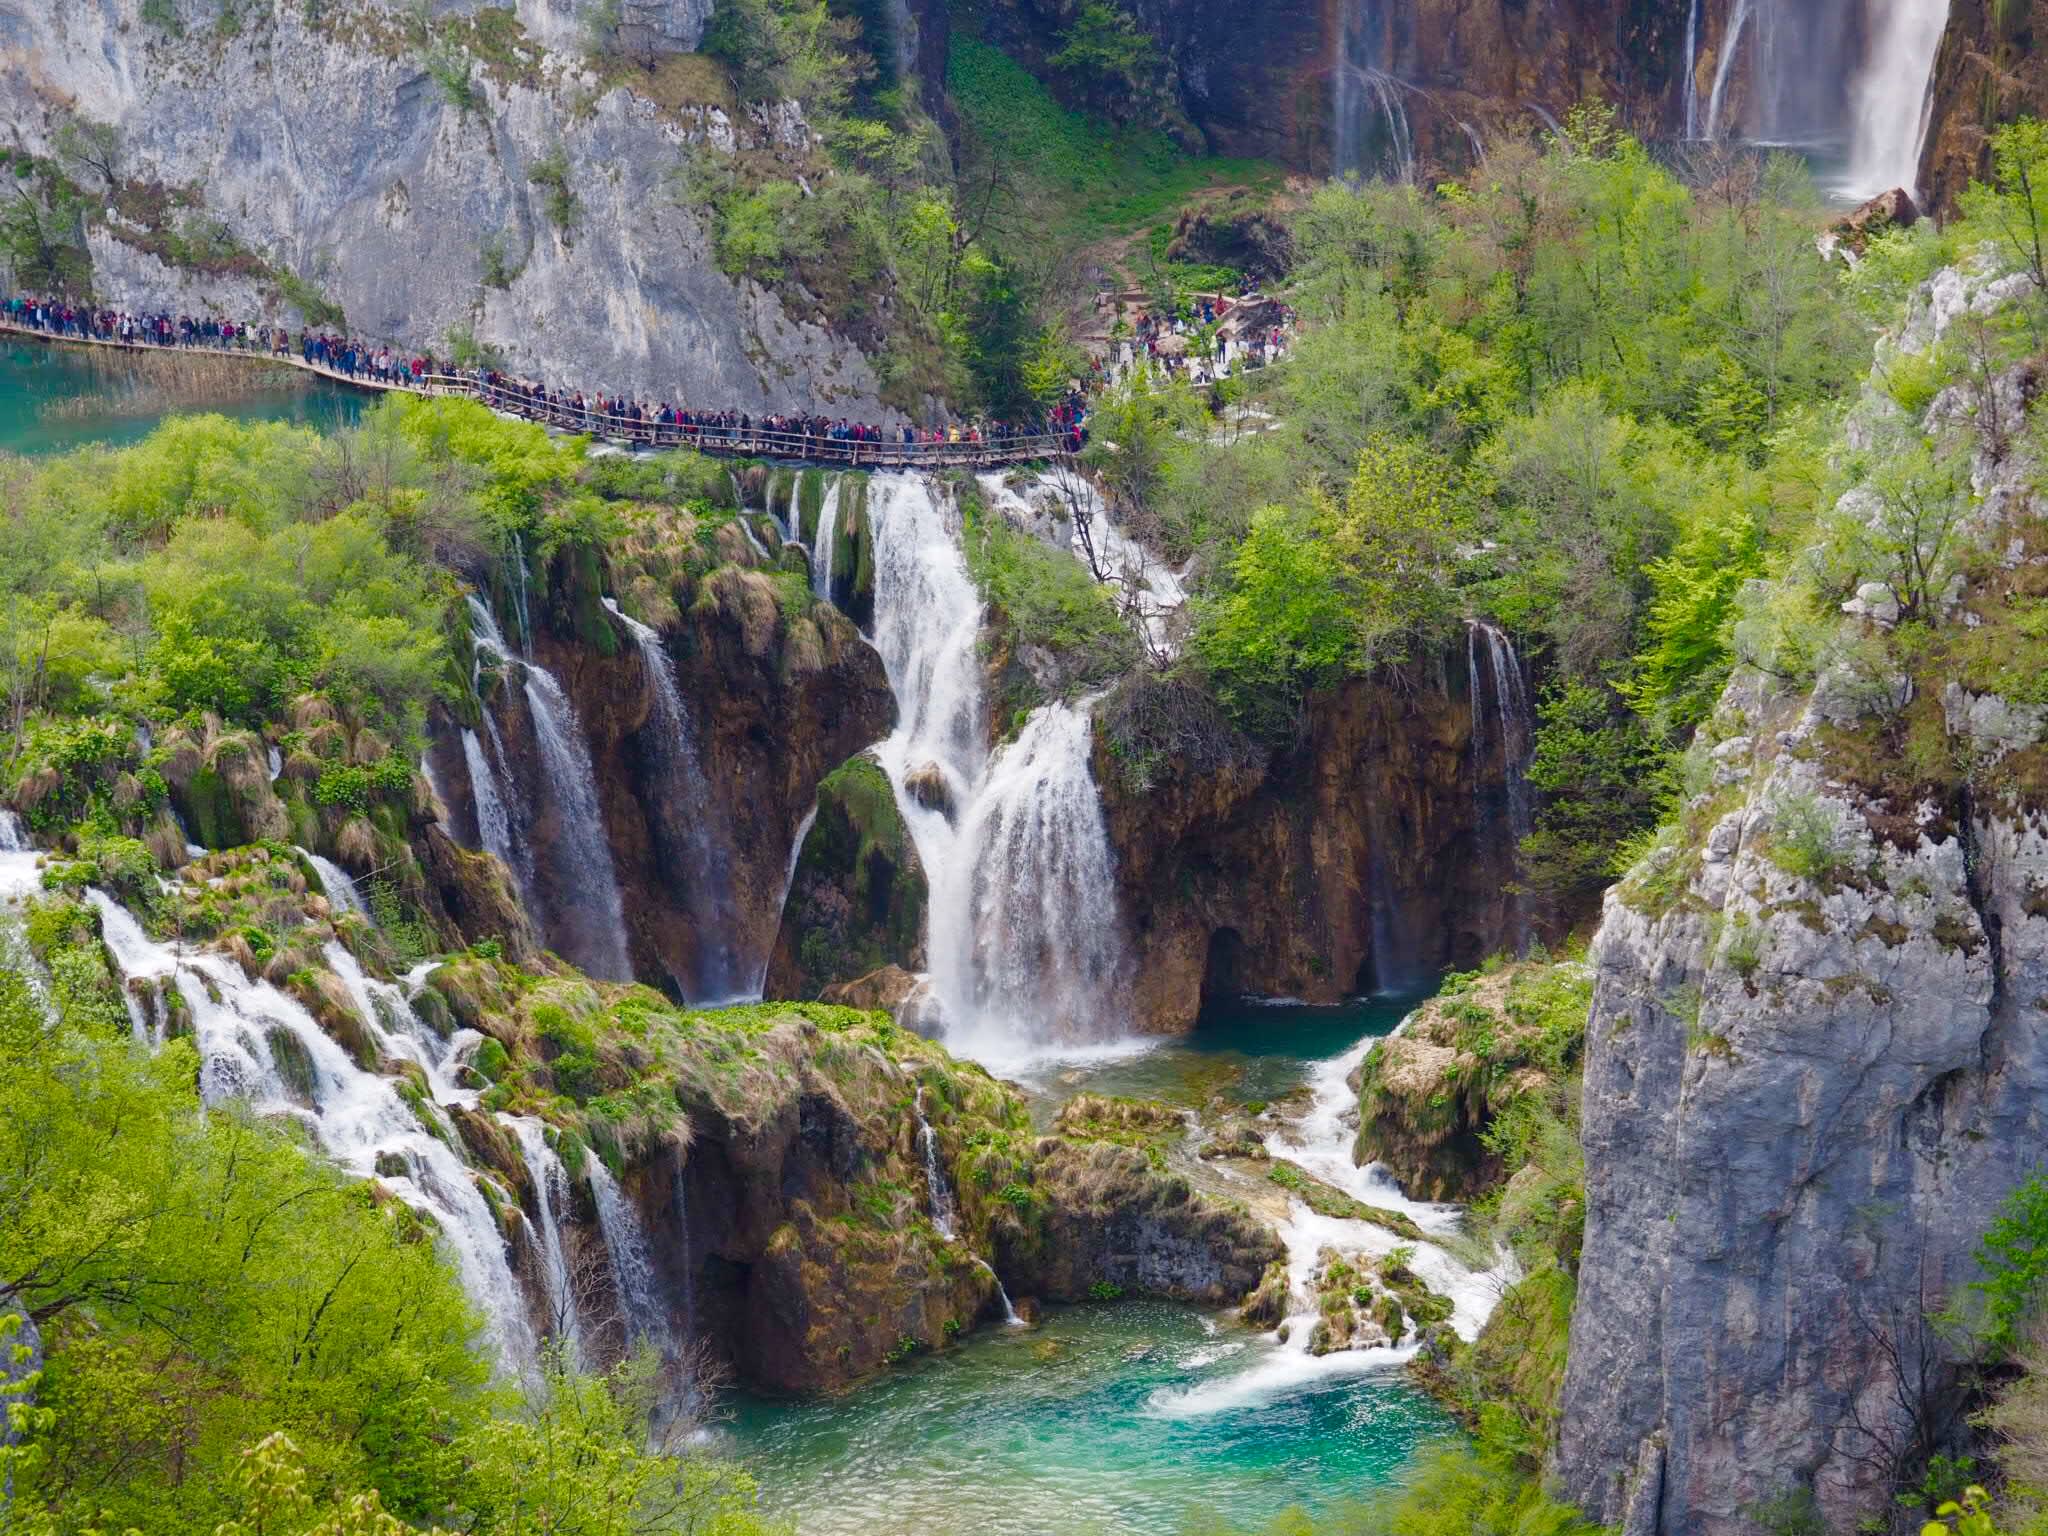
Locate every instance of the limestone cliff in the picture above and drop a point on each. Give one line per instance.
(1991, 69)
(427, 171)
(1814, 1064)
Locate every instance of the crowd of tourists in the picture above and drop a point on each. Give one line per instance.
(622, 418)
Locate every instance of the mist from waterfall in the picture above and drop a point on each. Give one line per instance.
(687, 827)
(1024, 941)
(581, 905)
(1893, 97)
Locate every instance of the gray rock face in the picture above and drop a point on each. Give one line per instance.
(1805, 1096)
(318, 136)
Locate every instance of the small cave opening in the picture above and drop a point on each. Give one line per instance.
(1223, 969)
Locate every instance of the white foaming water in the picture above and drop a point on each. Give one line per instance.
(1024, 939)
(1010, 1316)
(1892, 97)
(1692, 78)
(585, 894)
(13, 835)
(276, 764)
(796, 852)
(685, 816)
(1320, 1143)
(633, 1274)
(828, 536)
(335, 882)
(939, 1198)
(551, 1197)
(260, 1045)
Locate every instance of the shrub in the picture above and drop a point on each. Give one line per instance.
(1806, 840)
(551, 175)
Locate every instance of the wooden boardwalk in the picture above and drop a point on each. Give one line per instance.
(618, 430)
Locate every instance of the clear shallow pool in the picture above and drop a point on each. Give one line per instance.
(1128, 1418)
(1071, 1428)
(54, 397)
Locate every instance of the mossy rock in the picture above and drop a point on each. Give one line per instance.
(858, 900)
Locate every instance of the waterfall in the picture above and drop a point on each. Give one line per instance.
(1724, 66)
(493, 826)
(583, 892)
(1024, 938)
(341, 891)
(519, 591)
(275, 760)
(1025, 935)
(827, 537)
(796, 853)
(1893, 96)
(944, 1216)
(1009, 1311)
(260, 1045)
(1370, 133)
(1508, 733)
(1692, 80)
(643, 1316)
(13, 835)
(684, 815)
(689, 1265)
(551, 1197)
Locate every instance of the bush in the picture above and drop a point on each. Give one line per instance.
(551, 175)
(1806, 840)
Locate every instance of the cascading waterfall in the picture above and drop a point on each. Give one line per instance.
(1025, 935)
(551, 1199)
(1692, 79)
(260, 1045)
(1024, 938)
(689, 1263)
(638, 1287)
(940, 1198)
(1320, 1142)
(1508, 733)
(519, 591)
(685, 821)
(493, 825)
(13, 835)
(584, 889)
(1893, 98)
(827, 538)
(1724, 67)
(1371, 131)
(340, 890)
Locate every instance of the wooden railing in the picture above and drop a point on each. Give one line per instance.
(614, 427)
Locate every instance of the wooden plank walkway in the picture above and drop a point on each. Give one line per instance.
(618, 430)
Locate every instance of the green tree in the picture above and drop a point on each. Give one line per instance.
(2014, 207)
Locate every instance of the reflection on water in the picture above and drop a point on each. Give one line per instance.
(55, 397)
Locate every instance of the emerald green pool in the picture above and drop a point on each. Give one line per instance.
(1117, 1419)
(55, 397)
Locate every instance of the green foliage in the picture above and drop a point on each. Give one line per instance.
(500, 269)
(1806, 840)
(1047, 596)
(1336, 586)
(2013, 208)
(1109, 55)
(1105, 1290)
(1603, 780)
(314, 307)
(448, 66)
(551, 175)
(2014, 1261)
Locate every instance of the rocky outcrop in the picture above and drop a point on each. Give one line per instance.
(1990, 70)
(857, 902)
(1101, 1215)
(429, 172)
(1813, 1062)
(1352, 861)
(1428, 1095)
